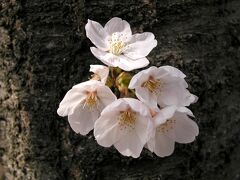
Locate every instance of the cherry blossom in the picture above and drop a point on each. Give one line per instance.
(125, 124)
(163, 86)
(84, 103)
(172, 124)
(116, 46)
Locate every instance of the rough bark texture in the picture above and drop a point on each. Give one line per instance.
(44, 52)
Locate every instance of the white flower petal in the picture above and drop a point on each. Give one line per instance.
(105, 121)
(130, 145)
(97, 34)
(109, 137)
(115, 107)
(189, 99)
(138, 106)
(106, 130)
(105, 95)
(185, 129)
(140, 45)
(101, 71)
(185, 110)
(174, 94)
(70, 101)
(193, 98)
(143, 127)
(164, 114)
(170, 95)
(82, 121)
(171, 79)
(161, 145)
(138, 79)
(117, 25)
(162, 74)
(173, 71)
(150, 145)
(146, 96)
(107, 58)
(128, 64)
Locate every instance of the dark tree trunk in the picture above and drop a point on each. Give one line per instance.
(44, 52)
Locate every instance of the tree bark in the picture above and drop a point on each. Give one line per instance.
(44, 52)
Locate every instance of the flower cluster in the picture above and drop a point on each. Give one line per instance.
(130, 112)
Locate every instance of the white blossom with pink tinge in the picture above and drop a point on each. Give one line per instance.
(163, 86)
(172, 124)
(126, 124)
(84, 103)
(116, 46)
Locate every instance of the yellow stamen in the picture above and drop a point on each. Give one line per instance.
(116, 47)
(91, 100)
(165, 127)
(152, 85)
(116, 43)
(127, 119)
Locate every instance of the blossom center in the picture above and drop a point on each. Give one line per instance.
(116, 43)
(127, 119)
(154, 86)
(91, 100)
(165, 127)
